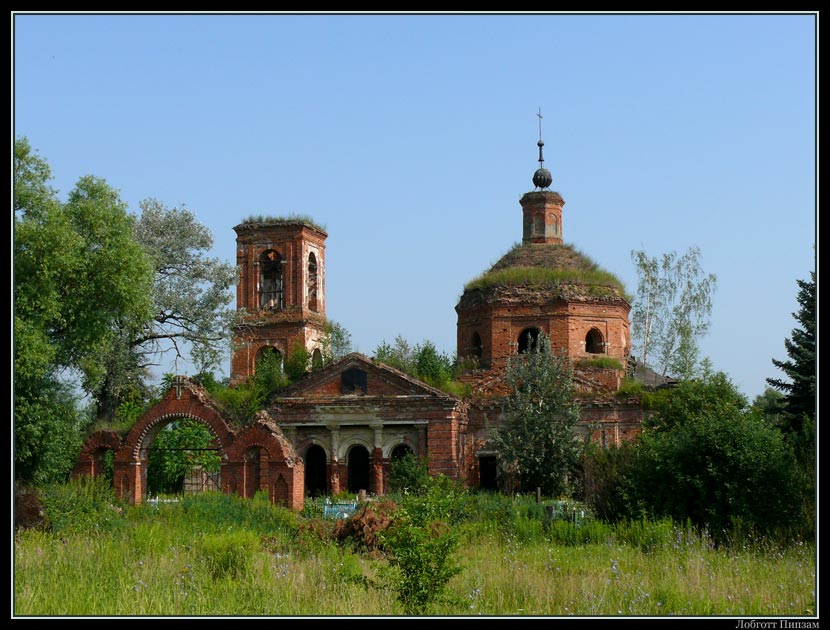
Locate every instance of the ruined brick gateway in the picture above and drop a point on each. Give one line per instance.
(340, 428)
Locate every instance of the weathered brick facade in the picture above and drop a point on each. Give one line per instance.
(281, 290)
(257, 457)
(340, 428)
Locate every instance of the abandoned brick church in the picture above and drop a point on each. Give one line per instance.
(339, 428)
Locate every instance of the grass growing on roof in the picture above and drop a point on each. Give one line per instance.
(540, 264)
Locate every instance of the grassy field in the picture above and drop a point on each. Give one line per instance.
(219, 555)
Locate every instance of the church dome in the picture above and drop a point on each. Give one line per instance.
(541, 272)
(542, 178)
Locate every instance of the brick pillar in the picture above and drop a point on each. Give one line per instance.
(376, 477)
(264, 473)
(334, 464)
(422, 443)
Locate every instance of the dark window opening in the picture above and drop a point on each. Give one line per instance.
(352, 380)
(528, 339)
(487, 472)
(476, 348)
(312, 282)
(401, 451)
(593, 342)
(270, 280)
(358, 469)
(315, 471)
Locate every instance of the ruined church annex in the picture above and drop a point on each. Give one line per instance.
(340, 427)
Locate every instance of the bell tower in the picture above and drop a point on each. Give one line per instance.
(280, 297)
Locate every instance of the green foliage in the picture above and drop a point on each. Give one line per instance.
(770, 405)
(83, 505)
(555, 268)
(192, 291)
(424, 362)
(336, 343)
(229, 554)
(409, 474)
(704, 456)
(599, 362)
(169, 462)
(421, 562)
(800, 387)
(297, 362)
(536, 443)
(67, 258)
(630, 388)
(671, 311)
(607, 475)
(420, 544)
(288, 219)
(48, 430)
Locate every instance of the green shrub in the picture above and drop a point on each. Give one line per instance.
(409, 474)
(420, 560)
(82, 505)
(599, 362)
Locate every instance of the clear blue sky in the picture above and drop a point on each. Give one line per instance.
(412, 138)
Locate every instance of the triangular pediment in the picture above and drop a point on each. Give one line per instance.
(356, 375)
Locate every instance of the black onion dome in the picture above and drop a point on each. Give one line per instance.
(542, 178)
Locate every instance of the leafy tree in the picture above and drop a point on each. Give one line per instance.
(536, 443)
(705, 456)
(770, 405)
(170, 459)
(671, 310)
(79, 278)
(399, 356)
(800, 388)
(337, 341)
(191, 296)
(297, 362)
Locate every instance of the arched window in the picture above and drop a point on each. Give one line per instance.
(316, 359)
(268, 357)
(528, 339)
(270, 280)
(593, 342)
(312, 282)
(476, 348)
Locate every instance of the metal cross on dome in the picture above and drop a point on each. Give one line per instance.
(178, 384)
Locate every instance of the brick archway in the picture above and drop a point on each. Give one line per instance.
(261, 458)
(91, 458)
(258, 457)
(184, 399)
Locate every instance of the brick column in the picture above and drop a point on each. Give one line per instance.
(334, 464)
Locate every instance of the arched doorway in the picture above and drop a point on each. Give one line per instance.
(182, 457)
(358, 467)
(528, 339)
(253, 471)
(315, 471)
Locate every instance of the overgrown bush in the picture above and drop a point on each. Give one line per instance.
(409, 474)
(607, 480)
(82, 505)
(706, 457)
(420, 561)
